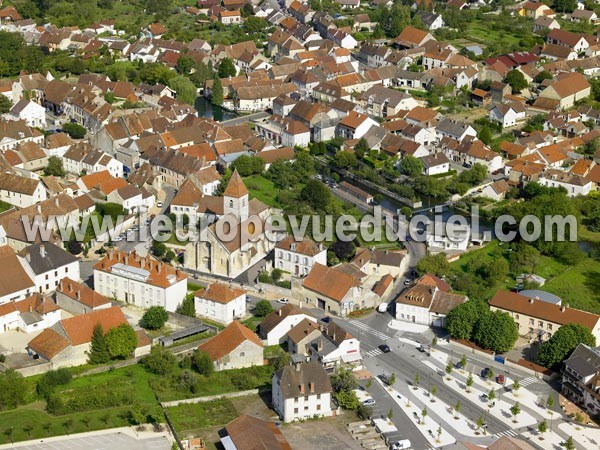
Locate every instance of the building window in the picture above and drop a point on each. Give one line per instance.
(295, 399)
(318, 396)
(295, 410)
(541, 324)
(306, 398)
(531, 322)
(318, 407)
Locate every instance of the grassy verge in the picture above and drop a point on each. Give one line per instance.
(262, 189)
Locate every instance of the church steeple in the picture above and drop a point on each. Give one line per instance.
(235, 197)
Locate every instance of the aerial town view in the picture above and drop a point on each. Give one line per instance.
(299, 224)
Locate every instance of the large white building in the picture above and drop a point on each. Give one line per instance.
(221, 303)
(32, 113)
(298, 257)
(301, 391)
(142, 281)
(21, 191)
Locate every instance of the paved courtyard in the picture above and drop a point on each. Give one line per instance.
(94, 441)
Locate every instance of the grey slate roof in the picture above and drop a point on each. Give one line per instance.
(46, 257)
(309, 377)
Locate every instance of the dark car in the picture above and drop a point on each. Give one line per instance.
(458, 365)
(485, 372)
(326, 319)
(384, 348)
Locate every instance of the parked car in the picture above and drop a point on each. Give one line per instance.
(500, 379)
(458, 365)
(421, 348)
(159, 204)
(283, 300)
(403, 444)
(485, 372)
(407, 282)
(384, 348)
(326, 319)
(484, 396)
(369, 402)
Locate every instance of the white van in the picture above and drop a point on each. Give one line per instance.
(382, 307)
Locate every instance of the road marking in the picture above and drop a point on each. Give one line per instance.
(528, 381)
(373, 353)
(510, 433)
(368, 329)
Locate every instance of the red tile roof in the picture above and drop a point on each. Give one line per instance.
(228, 340)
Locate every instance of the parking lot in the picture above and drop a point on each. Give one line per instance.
(108, 441)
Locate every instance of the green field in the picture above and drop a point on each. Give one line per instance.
(578, 285)
(32, 421)
(262, 189)
(189, 418)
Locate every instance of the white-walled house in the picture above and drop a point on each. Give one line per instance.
(574, 184)
(301, 391)
(221, 303)
(435, 164)
(142, 281)
(32, 113)
(21, 283)
(298, 257)
(508, 114)
(33, 313)
(340, 347)
(236, 347)
(47, 264)
(274, 328)
(78, 298)
(21, 191)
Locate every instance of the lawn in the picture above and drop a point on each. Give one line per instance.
(577, 285)
(192, 418)
(5, 206)
(262, 189)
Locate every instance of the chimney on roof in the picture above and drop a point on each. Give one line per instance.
(311, 387)
(301, 386)
(42, 250)
(563, 308)
(531, 300)
(319, 344)
(78, 295)
(56, 200)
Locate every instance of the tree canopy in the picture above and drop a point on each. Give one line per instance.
(121, 341)
(496, 331)
(560, 346)
(154, 318)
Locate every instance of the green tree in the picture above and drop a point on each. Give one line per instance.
(416, 380)
(345, 160)
(516, 80)
(461, 320)
(185, 89)
(569, 444)
(54, 167)
(262, 308)
(187, 306)
(543, 75)
(12, 389)
(185, 64)
(227, 68)
(411, 166)
(550, 402)
(434, 264)
(496, 331)
(121, 341)
(160, 361)
(492, 395)
(485, 135)
(457, 408)
(5, 104)
(202, 362)
(469, 382)
(515, 410)
(449, 367)
(347, 400)
(255, 25)
(434, 390)
(74, 130)
(99, 353)
(249, 165)
(343, 380)
(316, 195)
(423, 414)
(480, 423)
(216, 94)
(516, 386)
(565, 6)
(560, 346)
(154, 318)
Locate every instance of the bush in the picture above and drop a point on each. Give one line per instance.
(155, 318)
(160, 361)
(202, 363)
(74, 130)
(262, 308)
(51, 379)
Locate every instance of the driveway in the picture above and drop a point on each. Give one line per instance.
(325, 434)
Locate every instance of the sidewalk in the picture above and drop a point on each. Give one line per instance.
(429, 428)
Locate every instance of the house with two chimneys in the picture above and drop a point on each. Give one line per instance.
(301, 391)
(34, 313)
(298, 256)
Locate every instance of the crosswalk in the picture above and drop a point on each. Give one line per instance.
(373, 353)
(509, 433)
(527, 381)
(368, 329)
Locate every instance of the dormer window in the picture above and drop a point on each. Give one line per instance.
(231, 203)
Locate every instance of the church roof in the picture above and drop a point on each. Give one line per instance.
(236, 187)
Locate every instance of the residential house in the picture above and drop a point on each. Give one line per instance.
(274, 327)
(435, 164)
(77, 298)
(301, 391)
(16, 283)
(220, 303)
(574, 184)
(577, 42)
(33, 313)
(427, 302)
(32, 113)
(298, 257)
(538, 320)
(544, 23)
(412, 37)
(47, 264)
(508, 114)
(140, 280)
(235, 347)
(534, 9)
(431, 20)
(354, 125)
(581, 378)
(454, 129)
(21, 191)
(67, 342)
(496, 191)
